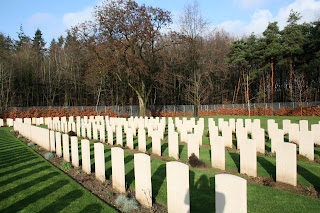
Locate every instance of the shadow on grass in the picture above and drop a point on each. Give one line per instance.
(157, 180)
(23, 175)
(236, 159)
(180, 150)
(92, 208)
(21, 204)
(164, 146)
(309, 176)
(202, 193)
(268, 166)
(26, 166)
(63, 202)
(24, 186)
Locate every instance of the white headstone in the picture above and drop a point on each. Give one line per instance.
(142, 175)
(286, 164)
(218, 153)
(74, 151)
(65, 143)
(85, 153)
(230, 193)
(118, 171)
(248, 158)
(58, 144)
(306, 144)
(99, 162)
(178, 193)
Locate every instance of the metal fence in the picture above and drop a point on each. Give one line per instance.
(133, 110)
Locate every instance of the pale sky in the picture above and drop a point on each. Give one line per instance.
(238, 17)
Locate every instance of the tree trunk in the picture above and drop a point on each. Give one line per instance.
(272, 82)
(291, 79)
(142, 105)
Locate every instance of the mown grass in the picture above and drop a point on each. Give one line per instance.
(202, 195)
(28, 183)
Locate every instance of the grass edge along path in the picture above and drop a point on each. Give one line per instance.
(28, 183)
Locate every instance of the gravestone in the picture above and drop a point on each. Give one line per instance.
(306, 144)
(178, 193)
(193, 145)
(85, 153)
(232, 124)
(142, 177)
(156, 143)
(74, 151)
(129, 141)
(218, 153)
(58, 144)
(303, 125)
(294, 133)
(65, 147)
(142, 140)
(118, 171)
(119, 135)
(173, 145)
(286, 126)
(52, 141)
(258, 135)
(286, 164)
(227, 136)
(248, 158)
(248, 125)
(230, 193)
(99, 162)
(276, 139)
(110, 135)
(102, 133)
(315, 129)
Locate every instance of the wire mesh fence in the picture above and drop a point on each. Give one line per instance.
(133, 110)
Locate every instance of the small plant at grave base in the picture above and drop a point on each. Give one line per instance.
(302, 158)
(126, 204)
(72, 133)
(35, 147)
(195, 162)
(48, 155)
(31, 144)
(11, 131)
(171, 159)
(267, 181)
(66, 166)
(110, 195)
(19, 136)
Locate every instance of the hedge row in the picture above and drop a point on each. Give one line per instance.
(60, 112)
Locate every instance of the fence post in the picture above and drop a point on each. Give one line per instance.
(174, 109)
(105, 109)
(130, 110)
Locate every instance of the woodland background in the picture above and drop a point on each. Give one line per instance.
(129, 56)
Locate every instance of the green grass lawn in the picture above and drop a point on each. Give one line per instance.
(202, 195)
(28, 183)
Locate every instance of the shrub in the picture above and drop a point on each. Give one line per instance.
(72, 133)
(31, 144)
(195, 162)
(19, 136)
(48, 155)
(35, 147)
(126, 203)
(130, 205)
(121, 199)
(66, 166)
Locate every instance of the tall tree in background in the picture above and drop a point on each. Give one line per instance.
(193, 27)
(292, 45)
(271, 50)
(126, 42)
